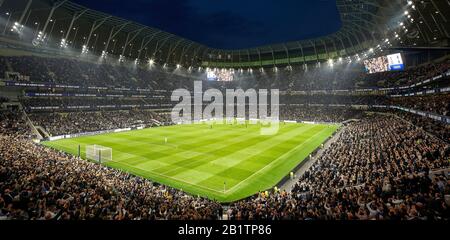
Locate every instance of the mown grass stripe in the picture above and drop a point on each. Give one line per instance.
(199, 160)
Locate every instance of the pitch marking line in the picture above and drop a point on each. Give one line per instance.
(195, 161)
(179, 180)
(151, 172)
(232, 188)
(243, 151)
(215, 190)
(276, 160)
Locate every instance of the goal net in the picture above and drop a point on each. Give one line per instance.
(98, 153)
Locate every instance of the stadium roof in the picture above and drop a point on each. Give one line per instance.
(365, 25)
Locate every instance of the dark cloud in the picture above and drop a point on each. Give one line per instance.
(229, 24)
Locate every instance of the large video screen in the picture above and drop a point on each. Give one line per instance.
(393, 62)
(221, 75)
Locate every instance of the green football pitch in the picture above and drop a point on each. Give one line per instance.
(223, 162)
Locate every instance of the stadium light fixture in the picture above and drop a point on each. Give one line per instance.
(39, 39)
(104, 54)
(84, 49)
(63, 43)
(330, 62)
(17, 27)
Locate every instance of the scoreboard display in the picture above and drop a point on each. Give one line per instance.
(220, 75)
(393, 62)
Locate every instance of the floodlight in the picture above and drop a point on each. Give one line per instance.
(121, 58)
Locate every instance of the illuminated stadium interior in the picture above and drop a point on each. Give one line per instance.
(108, 117)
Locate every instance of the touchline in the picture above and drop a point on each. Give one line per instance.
(235, 106)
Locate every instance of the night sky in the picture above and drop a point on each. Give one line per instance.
(229, 24)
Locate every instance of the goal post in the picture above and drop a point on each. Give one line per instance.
(98, 153)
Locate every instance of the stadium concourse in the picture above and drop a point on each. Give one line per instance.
(389, 160)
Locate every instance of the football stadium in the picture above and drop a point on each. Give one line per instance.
(181, 110)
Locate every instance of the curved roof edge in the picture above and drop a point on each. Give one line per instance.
(364, 24)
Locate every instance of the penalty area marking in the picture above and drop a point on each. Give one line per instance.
(179, 180)
(151, 172)
(222, 192)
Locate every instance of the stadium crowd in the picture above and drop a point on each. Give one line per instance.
(61, 123)
(82, 73)
(39, 183)
(70, 120)
(439, 104)
(328, 99)
(437, 128)
(378, 169)
(3, 99)
(68, 103)
(80, 122)
(91, 103)
(408, 77)
(318, 114)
